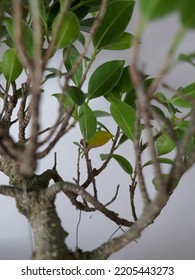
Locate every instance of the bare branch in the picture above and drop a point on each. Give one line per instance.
(63, 130)
(148, 216)
(132, 189)
(22, 116)
(114, 197)
(28, 162)
(96, 172)
(138, 169)
(145, 112)
(17, 8)
(73, 188)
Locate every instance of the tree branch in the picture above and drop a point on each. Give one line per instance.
(148, 216)
(9, 190)
(73, 188)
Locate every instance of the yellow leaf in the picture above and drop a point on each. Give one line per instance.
(100, 138)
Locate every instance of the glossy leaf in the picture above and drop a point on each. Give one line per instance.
(130, 98)
(27, 35)
(154, 9)
(70, 61)
(113, 93)
(160, 160)
(124, 163)
(184, 96)
(104, 78)
(114, 23)
(122, 43)
(87, 122)
(164, 144)
(86, 24)
(69, 30)
(124, 116)
(125, 83)
(100, 138)
(11, 66)
(123, 139)
(76, 94)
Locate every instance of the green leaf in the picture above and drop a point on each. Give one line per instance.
(11, 66)
(114, 23)
(87, 122)
(70, 61)
(125, 83)
(161, 98)
(164, 144)
(104, 78)
(76, 95)
(43, 14)
(53, 12)
(81, 11)
(86, 24)
(124, 116)
(27, 35)
(69, 30)
(159, 112)
(160, 160)
(101, 114)
(155, 9)
(187, 58)
(165, 177)
(124, 163)
(130, 98)
(186, 9)
(122, 43)
(68, 102)
(114, 92)
(184, 96)
(123, 139)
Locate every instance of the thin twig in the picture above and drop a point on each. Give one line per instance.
(62, 131)
(132, 189)
(17, 9)
(77, 230)
(114, 197)
(138, 152)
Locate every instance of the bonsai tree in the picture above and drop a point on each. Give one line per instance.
(32, 33)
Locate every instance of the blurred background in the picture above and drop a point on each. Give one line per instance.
(172, 235)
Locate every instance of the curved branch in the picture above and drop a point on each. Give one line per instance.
(148, 216)
(68, 187)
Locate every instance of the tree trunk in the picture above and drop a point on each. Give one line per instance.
(49, 235)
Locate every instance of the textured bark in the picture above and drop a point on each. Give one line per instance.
(35, 200)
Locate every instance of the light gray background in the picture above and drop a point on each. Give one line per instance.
(172, 236)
